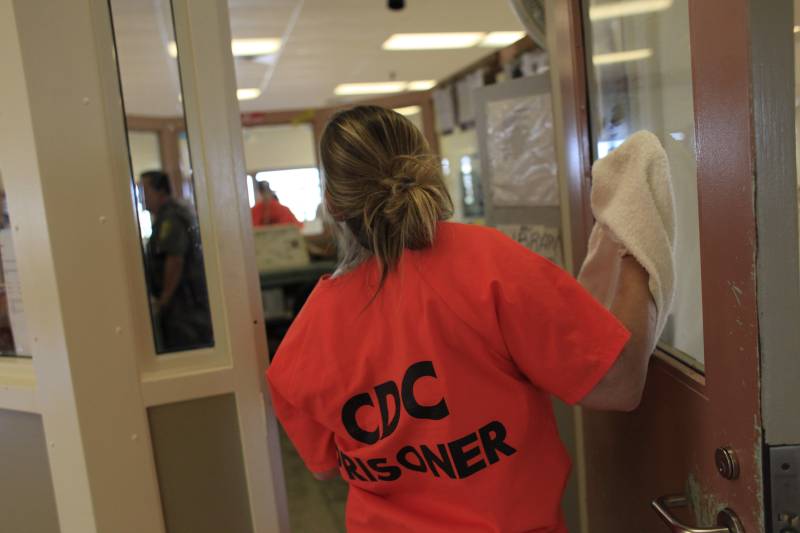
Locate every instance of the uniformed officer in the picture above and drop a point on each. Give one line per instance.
(181, 315)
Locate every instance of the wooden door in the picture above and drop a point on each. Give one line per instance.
(681, 69)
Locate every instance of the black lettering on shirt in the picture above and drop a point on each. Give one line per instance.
(365, 469)
(350, 468)
(414, 373)
(462, 456)
(442, 460)
(402, 458)
(385, 472)
(349, 419)
(383, 392)
(493, 437)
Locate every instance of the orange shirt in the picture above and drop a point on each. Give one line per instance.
(274, 213)
(434, 399)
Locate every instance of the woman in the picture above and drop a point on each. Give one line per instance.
(422, 369)
(268, 210)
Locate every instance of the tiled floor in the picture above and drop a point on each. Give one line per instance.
(314, 506)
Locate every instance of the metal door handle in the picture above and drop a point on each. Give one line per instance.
(727, 521)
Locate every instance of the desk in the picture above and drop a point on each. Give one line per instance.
(279, 279)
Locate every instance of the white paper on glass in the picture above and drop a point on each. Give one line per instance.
(522, 155)
(16, 311)
(445, 109)
(465, 89)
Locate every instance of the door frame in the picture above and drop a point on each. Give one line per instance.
(94, 374)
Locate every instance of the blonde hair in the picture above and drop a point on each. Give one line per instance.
(382, 185)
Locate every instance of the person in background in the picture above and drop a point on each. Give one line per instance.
(422, 370)
(268, 210)
(175, 269)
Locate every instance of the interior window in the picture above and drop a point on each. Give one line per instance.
(297, 188)
(161, 176)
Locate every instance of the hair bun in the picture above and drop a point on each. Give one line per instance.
(382, 182)
(409, 171)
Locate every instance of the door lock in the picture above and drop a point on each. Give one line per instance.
(727, 463)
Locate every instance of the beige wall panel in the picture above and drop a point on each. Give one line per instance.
(200, 466)
(27, 501)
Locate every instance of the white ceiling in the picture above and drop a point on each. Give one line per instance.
(326, 42)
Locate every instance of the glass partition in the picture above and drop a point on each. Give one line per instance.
(161, 175)
(640, 78)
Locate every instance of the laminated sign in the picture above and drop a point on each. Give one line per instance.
(522, 155)
(544, 240)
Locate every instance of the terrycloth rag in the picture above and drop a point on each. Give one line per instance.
(633, 206)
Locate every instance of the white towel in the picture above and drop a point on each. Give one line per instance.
(633, 205)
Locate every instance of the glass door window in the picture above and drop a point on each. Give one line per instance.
(640, 78)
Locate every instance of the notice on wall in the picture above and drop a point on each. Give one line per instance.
(16, 311)
(544, 240)
(522, 155)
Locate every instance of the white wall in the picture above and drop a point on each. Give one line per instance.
(279, 146)
(145, 152)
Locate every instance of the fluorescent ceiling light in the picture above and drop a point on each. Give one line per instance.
(248, 94)
(255, 47)
(499, 39)
(421, 85)
(409, 110)
(242, 47)
(626, 9)
(381, 87)
(433, 41)
(622, 57)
